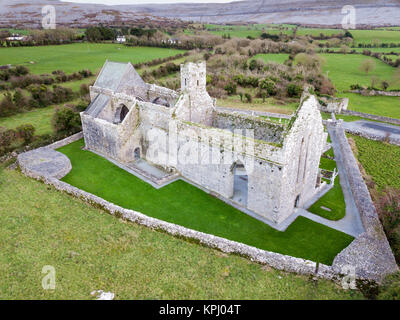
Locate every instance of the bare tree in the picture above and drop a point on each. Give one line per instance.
(367, 66)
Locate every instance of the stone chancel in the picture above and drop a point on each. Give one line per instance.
(265, 167)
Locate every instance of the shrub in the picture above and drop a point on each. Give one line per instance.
(7, 137)
(390, 288)
(65, 120)
(355, 87)
(248, 97)
(83, 89)
(81, 106)
(230, 88)
(293, 90)
(19, 99)
(269, 86)
(25, 132)
(388, 206)
(7, 106)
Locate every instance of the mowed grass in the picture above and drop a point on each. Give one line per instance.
(344, 70)
(186, 205)
(378, 105)
(381, 161)
(74, 57)
(91, 250)
(333, 199)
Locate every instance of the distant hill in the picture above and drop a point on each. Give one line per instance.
(309, 12)
(312, 12)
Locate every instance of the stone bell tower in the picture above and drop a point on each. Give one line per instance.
(193, 77)
(198, 106)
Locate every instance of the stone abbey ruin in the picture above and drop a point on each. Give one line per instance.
(265, 167)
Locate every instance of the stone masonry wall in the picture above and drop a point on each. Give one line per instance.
(374, 137)
(263, 129)
(370, 253)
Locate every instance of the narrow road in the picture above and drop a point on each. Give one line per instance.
(374, 128)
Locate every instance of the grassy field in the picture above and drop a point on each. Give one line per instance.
(381, 50)
(255, 30)
(39, 118)
(75, 85)
(376, 36)
(380, 161)
(344, 70)
(92, 250)
(304, 238)
(360, 36)
(78, 56)
(272, 57)
(378, 105)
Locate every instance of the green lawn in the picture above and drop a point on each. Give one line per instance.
(78, 56)
(327, 164)
(333, 200)
(378, 105)
(344, 70)
(183, 204)
(91, 250)
(380, 161)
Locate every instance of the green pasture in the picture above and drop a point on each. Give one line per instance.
(74, 57)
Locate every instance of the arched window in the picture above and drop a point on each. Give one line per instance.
(240, 183)
(137, 154)
(300, 160)
(305, 162)
(120, 114)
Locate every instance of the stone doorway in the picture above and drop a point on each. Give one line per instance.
(297, 201)
(137, 154)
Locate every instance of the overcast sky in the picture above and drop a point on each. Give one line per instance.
(111, 2)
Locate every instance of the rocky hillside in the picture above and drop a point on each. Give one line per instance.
(310, 12)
